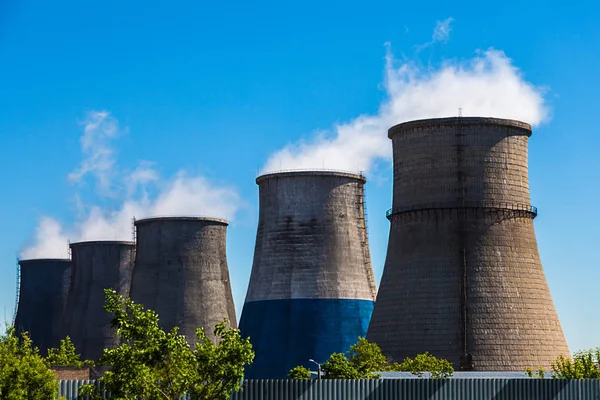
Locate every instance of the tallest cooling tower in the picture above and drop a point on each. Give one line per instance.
(463, 278)
(311, 289)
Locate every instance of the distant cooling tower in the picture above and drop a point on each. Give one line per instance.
(311, 289)
(463, 278)
(42, 300)
(181, 273)
(97, 266)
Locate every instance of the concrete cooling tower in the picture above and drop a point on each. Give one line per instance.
(463, 278)
(42, 299)
(181, 273)
(97, 265)
(312, 289)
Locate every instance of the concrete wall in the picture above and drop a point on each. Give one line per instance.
(70, 373)
(312, 288)
(181, 273)
(42, 300)
(463, 278)
(97, 266)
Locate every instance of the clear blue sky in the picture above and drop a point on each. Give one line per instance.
(217, 90)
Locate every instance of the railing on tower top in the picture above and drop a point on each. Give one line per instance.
(526, 208)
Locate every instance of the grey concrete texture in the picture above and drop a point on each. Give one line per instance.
(464, 277)
(312, 239)
(479, 160)
(181, 273)
(42, 300)
(97, 265)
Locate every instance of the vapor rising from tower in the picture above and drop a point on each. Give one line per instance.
(97, 266)
(42, 300)
(463, 278)
(181, 273)
(312, 289)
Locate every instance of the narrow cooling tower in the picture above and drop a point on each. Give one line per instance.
(311, 289)
(181, 273)
(42, 299)
(463, 278)
(97, 266)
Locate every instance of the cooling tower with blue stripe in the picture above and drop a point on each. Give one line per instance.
(312, 289)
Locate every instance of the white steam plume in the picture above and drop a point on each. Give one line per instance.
(441, 33)
(488, 85)
(50, 241)
(144, 194)
(99, 128)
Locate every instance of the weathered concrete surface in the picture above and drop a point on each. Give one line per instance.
(312, 288)
(42, 300)
(97, 265)
(463, 274)
(181, 273)
(312, 239)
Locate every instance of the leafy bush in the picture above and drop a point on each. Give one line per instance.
(437, 367)
(24, 374)
(154, 364)
(365, 359)
(299, 373)
(583, 365)
(65, 355)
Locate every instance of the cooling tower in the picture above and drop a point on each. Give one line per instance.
(463, 278)
(42, 299)
(312, 289)
(181, 273)
(97, 265)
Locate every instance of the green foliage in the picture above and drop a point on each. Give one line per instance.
(583, 365)
(338, 367)
(152, 364)
(65, 355)
(365, 359)
(24, 374)
(219, 369)
(300, 373)
(437, 367)
(538, 373)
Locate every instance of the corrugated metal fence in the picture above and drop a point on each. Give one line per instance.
(405, 389)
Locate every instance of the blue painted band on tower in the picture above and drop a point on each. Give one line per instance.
(289, 332)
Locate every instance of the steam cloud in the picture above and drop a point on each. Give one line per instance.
(141, 193)
(487, 85)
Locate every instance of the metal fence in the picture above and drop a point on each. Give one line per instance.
(404, 389)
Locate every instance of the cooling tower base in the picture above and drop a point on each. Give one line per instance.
(286, 333)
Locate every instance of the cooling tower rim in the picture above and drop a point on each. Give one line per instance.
(459, 120)
(310, 172)
(181, 218)
(107, 242)
(41, 260)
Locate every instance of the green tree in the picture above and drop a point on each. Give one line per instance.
(218, 369)
(66, 356)
(365, 359)
(152, 364)
(24, 374)
(300, 373)
(422, 363)
(583, 365)
(338, 367)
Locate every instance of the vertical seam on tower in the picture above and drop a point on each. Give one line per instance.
(466, 362)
